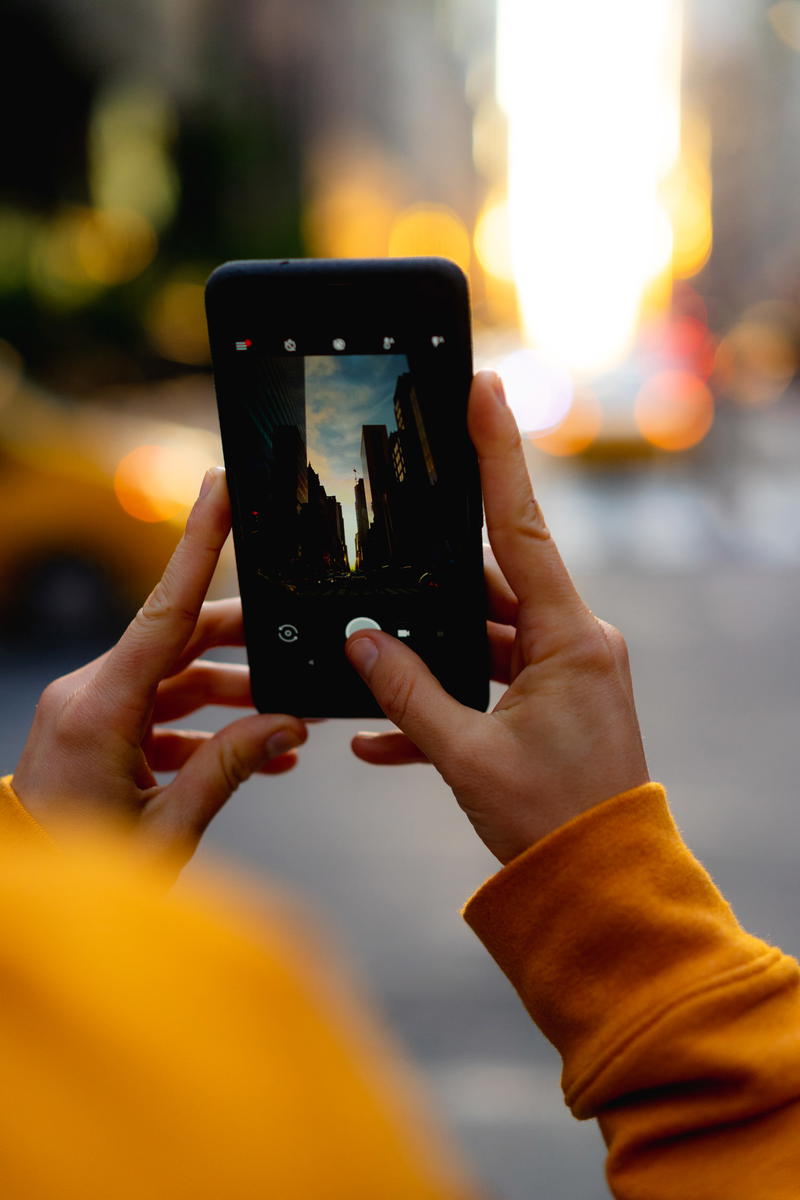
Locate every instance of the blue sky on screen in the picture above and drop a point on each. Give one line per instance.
(344, 392)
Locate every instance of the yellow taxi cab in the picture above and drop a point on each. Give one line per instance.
(92, 503)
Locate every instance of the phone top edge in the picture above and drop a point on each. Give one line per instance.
(336, 268)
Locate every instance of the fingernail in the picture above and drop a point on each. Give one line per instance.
(499, 389)
(363, 654)
(281, 743)
(209, 479)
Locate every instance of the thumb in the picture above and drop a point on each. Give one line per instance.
(410, 695)
(213, 773)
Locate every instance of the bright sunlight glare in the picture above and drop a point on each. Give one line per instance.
(591, 94)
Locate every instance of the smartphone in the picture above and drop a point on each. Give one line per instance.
(342, 394)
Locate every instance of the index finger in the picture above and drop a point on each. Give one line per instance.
(523, 546)
(152, 643)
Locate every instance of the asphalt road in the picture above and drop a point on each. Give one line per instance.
(701, 570)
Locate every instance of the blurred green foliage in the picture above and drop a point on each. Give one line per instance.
(238, 194)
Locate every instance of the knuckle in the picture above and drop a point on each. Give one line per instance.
(53, 698)
(594, 650)
(62, 712)
(533, 521)
(234, 766)
(619, 647)
(529, 525)
(73, 727)
(159, 609)
(397, 697)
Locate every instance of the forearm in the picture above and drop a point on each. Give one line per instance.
(678, 1030)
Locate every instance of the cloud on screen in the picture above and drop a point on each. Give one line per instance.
(342, 394)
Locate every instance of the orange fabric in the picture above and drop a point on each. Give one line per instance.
(678, 1031)
(187, 1045)
(182, 1045)
(16, 823)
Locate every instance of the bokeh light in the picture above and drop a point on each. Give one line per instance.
(674, 410)
(592, 97)
(492, 244)
(758, 358)
(57, 273)
(350, 219)
(539, 395)
(688, 195)
(115, 245)
(354, 191)
(156, 483)
(684, 341)
(83, 250)
(431, 229)
(784, 18)
(17, 232)
(579, 429)
(129, 162)
(176, 323)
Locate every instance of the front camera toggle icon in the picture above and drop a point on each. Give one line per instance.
(288, 633)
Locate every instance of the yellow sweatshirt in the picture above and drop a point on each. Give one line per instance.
(195, 1045)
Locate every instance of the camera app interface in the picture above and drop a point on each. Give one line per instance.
(352, 505)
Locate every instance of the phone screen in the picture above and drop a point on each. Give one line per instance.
(354, 505)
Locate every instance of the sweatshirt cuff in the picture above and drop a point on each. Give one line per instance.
(15, 820)
(601, 922)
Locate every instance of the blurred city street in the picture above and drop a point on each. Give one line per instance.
(619, 185)
(699, 564)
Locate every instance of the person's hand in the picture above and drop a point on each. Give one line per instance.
(564, 736)
(96, 738)
(396, 749)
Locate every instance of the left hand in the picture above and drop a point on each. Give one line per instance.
(96, 740)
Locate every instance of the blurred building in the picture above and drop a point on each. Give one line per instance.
(746, 78)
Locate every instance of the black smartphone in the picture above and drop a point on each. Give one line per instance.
(342, 392)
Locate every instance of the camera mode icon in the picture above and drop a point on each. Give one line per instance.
(288, 633)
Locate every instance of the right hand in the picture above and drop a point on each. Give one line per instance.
(564, 736)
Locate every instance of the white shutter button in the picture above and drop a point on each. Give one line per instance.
(358, 623)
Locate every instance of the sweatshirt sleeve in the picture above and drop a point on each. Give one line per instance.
(678, 1030)
(16, 823)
